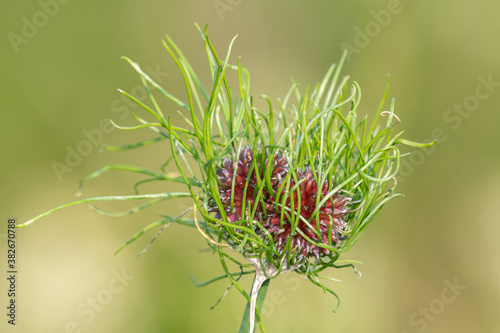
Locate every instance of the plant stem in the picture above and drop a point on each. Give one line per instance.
(263, 273)
(257, 283)
(257, 296)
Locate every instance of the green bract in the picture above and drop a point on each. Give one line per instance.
(316, 131)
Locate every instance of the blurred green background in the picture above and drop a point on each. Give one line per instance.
(59, 81)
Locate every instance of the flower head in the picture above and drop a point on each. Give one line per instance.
(287, 209)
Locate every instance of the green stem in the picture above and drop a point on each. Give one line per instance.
(259, 290)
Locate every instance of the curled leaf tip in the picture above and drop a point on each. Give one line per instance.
(388, 112)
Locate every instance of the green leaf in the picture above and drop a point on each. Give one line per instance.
(416, 144)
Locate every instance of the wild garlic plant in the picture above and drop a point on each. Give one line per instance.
(291, 187)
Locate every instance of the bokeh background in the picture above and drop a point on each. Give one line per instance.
(59, 80)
